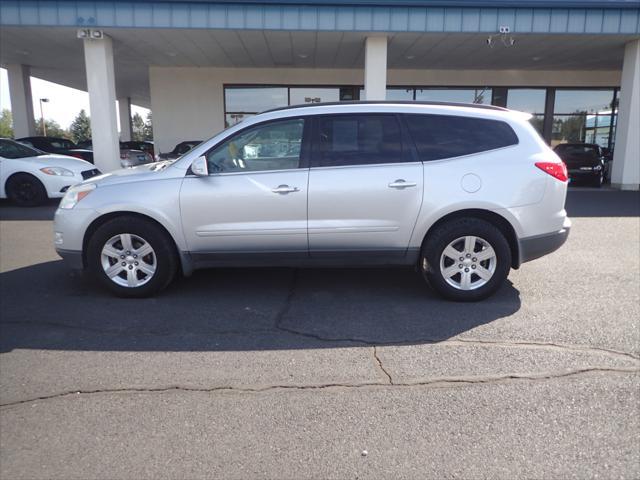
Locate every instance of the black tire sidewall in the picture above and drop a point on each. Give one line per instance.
(40, 192)
(447, 233)
(162, 245)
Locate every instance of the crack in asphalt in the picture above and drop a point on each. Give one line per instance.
(380, 365)
(439, 382)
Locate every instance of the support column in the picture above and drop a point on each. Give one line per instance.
(375, 68)
(626, 156)
(98, 58)
(21, 101)
(124, 112)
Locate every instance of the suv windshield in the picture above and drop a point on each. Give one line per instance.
(12, 149)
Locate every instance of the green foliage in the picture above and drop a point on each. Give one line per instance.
(148, 128)
(6, 124)
(137, 127)
(141, 129)
(80, 128)
(53, 129)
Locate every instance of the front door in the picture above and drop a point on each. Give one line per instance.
(365, 189)
(255, 197)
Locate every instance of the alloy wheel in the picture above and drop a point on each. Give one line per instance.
(128, 260)
(468, 262)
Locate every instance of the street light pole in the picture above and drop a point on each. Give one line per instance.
(44, 127)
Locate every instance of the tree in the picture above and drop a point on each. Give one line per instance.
(148, 128)
(80, 128)
(53, 129)
(137, 127)
(6, 124)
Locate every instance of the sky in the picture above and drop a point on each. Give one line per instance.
(64, 102)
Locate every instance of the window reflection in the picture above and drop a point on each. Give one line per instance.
(254, 99)
(458, 95)
(530, 100)
(301, 96)
(587, 101)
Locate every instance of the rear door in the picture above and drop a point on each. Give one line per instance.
(365, 186)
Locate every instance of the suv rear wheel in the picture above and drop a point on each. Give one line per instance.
(132, 257)
(466, 259)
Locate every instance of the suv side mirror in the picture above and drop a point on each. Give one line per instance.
(199, 167)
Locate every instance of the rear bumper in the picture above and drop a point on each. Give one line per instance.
(71, 258)
(540, 245)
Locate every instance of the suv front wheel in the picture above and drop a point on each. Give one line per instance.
(132, 257)
(466, 259)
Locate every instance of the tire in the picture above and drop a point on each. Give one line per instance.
(140, 276)
(598, 181)
(484, 277)
(25, 190)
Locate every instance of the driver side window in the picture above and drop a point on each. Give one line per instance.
(272, 146)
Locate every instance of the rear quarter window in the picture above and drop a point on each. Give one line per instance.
(446, 136)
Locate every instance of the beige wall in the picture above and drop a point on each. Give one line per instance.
(188, 104)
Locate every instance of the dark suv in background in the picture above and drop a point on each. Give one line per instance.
(587, 162)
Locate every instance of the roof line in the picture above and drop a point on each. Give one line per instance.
(389, 102)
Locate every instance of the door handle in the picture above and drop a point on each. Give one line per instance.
(401, 183)
(284, 189)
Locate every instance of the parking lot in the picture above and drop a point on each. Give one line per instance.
(336, 373)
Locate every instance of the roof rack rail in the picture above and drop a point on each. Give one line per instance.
(388, 102)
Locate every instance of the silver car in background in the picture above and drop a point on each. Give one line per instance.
(462, 192)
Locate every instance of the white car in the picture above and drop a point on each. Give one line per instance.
(29, 176)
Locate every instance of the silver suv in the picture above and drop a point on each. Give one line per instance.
(462, 192)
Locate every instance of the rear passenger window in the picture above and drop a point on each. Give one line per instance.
(444, 136)
(358, 140)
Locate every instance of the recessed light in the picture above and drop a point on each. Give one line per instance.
(172, 54)
(303, 55)
(535, 59)
(410, 57)
(22, 52)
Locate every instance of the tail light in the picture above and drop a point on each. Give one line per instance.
(556, 170)
(123, 155)
(76, 155)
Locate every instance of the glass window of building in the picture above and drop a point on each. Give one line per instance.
(243, 102)
(480, 95)
(530, 100)
(400, 94)
(584, 116)
(301, 96)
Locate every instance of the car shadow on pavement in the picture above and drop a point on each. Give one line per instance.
(46, 306)
(602, 203)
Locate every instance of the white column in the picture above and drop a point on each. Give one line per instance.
(124, 112)
(375, 68)
(21, 101)
(626, 156)
(98, 58)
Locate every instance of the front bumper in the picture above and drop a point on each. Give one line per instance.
(71, 258)
(541, 245)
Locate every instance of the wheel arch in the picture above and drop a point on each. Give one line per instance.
(497, 220)
(102, 219)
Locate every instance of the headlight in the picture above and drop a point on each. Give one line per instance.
(75, 194)
(59, 171)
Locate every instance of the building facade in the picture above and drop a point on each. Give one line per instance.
(202, 66)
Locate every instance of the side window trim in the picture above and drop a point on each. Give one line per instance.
(305, 146)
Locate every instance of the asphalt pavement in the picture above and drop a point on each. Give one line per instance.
(336, 373)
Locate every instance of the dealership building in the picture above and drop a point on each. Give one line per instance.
(201, 66)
